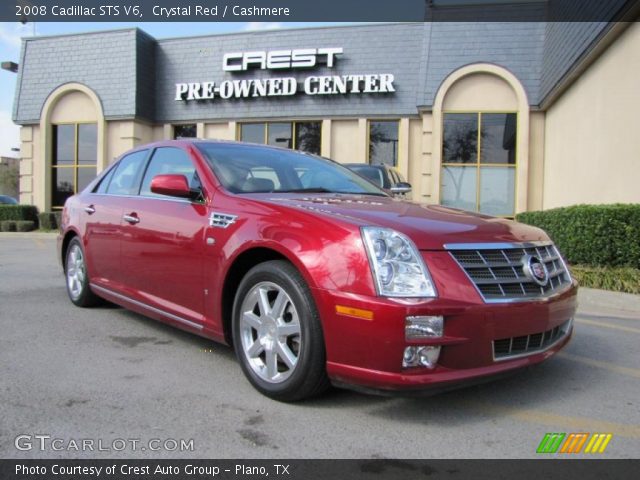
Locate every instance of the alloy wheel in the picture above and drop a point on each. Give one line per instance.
(270, 332)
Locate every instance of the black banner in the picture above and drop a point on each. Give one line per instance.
(379, 469)
(317, 11)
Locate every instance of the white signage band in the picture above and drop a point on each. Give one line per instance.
(286, 86)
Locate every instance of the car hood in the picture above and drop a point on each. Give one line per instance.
(429, 226)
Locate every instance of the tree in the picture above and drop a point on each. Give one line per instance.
(9, 180)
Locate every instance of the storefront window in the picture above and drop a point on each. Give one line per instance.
(383, 143)
(307, 136)
(74, 160)
(279, 135)
(185, 131)
(253, 132)
(478, 162)
(303, 136)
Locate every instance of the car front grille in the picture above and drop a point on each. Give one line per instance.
(499, 273)
(507, 348)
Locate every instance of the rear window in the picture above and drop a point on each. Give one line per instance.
(125, 179)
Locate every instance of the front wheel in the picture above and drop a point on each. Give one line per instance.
(277, 333)
(76, 275)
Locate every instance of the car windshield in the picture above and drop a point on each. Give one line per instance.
(253, 169)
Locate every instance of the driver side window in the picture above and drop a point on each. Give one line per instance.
(169, 161)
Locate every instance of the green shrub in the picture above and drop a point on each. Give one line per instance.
(8, 226)
(618, 279)
(594, 235)
(25, 225)
(18, 212)
(49, 220)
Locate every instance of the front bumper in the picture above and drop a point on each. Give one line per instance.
(367, 353)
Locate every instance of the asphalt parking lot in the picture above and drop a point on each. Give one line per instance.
(106, 373)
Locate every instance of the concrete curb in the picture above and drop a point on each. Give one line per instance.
(40, 235)
(592, 299)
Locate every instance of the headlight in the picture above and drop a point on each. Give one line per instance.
(397, 267)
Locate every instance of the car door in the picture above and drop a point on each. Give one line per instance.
(102, 212)
(163, 240)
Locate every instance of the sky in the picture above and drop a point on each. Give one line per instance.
(12, 33)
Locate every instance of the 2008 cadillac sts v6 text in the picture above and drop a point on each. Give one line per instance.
(313, 274)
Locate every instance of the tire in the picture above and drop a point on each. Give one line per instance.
(76, 276)
(277, 334)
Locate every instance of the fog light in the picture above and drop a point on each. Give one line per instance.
(410, 358)
(423, 327)
(421, 357)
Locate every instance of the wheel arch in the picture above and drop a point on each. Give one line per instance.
(240, 265)
(66, 240)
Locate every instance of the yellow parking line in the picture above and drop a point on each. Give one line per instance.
(561, 422)
(632, 372)
(608, 325)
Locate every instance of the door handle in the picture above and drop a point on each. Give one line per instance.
(90, 210)
(131, 218)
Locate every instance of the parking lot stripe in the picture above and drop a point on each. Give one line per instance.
(608, 325)
(632, 372)
(560, 422)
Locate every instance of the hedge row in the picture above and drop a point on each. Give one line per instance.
(19, 212)
(595, 235)
(29, 213)
(49, 220)
(17, 225)
(617, 279)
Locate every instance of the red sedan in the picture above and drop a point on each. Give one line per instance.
(312, 273)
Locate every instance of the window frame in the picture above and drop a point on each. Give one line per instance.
(76, 150)
(478, 164)
(265, 136)
(173, 130)
(397, 150)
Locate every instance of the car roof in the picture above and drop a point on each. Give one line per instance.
(364, 165)
(213, 141)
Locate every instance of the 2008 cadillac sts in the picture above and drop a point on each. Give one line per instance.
(313, 274)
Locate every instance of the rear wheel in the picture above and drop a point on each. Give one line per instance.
(76, 275)
(277, 333)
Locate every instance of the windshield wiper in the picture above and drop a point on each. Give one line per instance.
(307, 190)
(326, 190)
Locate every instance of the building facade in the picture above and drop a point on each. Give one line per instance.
(492, 117)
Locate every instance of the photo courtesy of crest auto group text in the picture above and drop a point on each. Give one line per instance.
(319, 241)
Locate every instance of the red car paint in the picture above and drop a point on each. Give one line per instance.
(161, 265)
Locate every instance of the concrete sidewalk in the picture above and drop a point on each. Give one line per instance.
(35, 234)
(602, 300)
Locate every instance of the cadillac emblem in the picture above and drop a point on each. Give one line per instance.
(535, 270)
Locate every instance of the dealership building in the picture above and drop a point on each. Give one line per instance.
(492, 117)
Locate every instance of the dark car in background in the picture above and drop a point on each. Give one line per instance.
(383, 176)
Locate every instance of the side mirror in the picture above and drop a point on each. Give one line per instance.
(172, 185)
(401, 188)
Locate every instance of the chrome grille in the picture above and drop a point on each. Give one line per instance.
(497, 270)
(507, 348)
